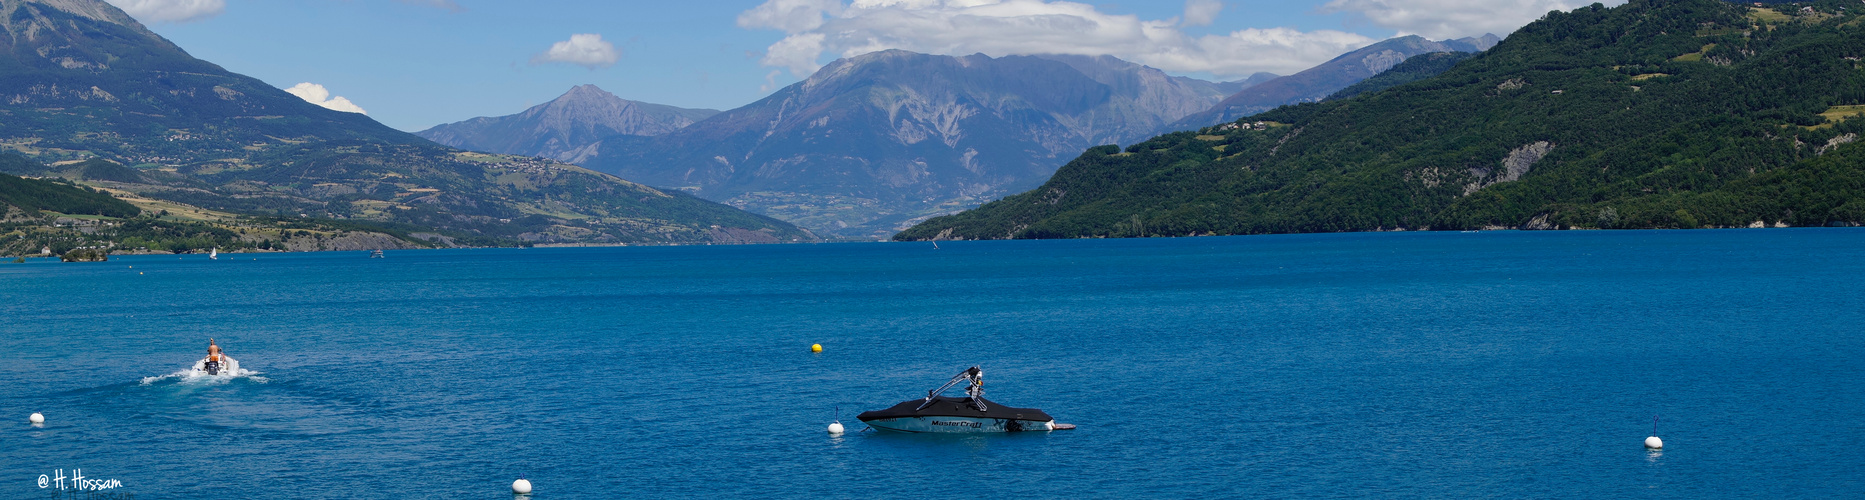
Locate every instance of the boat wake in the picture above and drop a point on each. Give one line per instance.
(196, 376)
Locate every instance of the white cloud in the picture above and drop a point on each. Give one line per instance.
(798, 52)
(1007, 27)
(1440, 19)
(317, 94)
(582, 49)
(1202, 12)
(789, 15)
(171, 11)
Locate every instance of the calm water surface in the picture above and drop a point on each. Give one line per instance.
(1364, 365)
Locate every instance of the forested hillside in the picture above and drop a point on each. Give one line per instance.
(1655, 114)
(32, 195)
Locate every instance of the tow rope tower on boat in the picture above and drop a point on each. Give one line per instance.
(973, 389)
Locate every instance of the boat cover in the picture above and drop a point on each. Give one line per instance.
(954, 407)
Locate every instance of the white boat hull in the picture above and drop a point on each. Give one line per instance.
(960, 425)
(230, 367)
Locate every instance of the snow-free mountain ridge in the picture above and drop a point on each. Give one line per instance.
(1317, 83)
(569, 128)
(869, 144)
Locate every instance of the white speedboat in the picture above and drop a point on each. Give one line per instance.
(971, 413)
(226, 366)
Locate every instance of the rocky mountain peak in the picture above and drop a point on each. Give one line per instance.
(1480, 43)
(40, 18)
(583, 106)
(58, 54)
(587, 93)
(95, 10)
(569, 128)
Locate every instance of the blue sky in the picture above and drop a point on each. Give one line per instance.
(413, 64)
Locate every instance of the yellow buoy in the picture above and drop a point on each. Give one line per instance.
(815, 348)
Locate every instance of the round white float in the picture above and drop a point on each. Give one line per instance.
(1654, 443)
(36, 418)
(521, 487)
(835, 428)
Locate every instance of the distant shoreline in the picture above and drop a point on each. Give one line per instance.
(250, 251)
(255, 251)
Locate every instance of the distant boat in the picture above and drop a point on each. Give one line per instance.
(375, 254)
(214, 254)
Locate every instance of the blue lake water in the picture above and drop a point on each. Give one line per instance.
(1496, 364)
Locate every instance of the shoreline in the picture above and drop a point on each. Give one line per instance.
(9, 259)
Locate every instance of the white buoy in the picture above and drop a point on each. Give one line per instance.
(836, 428)
(36, 418)
(521, 487)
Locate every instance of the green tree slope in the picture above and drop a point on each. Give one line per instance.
(33, 195)
(1655, 114)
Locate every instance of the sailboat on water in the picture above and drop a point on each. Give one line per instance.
(214, 254)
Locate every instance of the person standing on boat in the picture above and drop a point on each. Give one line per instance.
(215, 361)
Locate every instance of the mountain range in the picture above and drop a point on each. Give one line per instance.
(80, 80)
(871, 144)
(1653, 114)
(1317, 83)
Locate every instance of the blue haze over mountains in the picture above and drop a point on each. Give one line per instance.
(872, 144)
(1317, 83)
